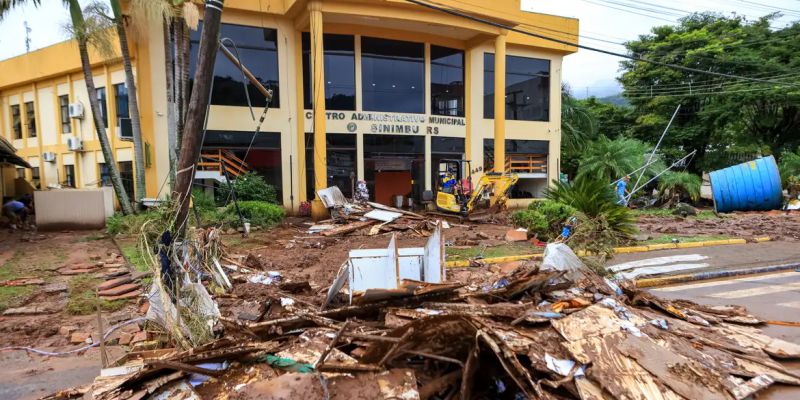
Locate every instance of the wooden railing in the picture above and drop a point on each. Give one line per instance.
(215, 160)
(526, 163)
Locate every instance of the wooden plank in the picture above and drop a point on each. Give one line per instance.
(351, 227)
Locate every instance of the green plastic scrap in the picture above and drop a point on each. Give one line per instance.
(287, 364)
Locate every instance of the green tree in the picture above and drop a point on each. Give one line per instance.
(720, 117)
(610, 159)
(673, 185)
(578, 126)
(88, 32)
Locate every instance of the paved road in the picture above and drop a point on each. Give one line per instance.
(770, 297)
(717, 257)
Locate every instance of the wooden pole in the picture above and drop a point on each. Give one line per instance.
(196, 113)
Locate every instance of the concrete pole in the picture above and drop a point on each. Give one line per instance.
(318, 210)
(500, 103)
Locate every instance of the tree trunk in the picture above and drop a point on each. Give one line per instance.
(169, 65)
(133, 105)
(116, 181)
(196, 113)
(182, 74)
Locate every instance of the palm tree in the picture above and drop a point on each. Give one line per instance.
(98, 9)
(608, 159)
(672, 185)
(84, 34)
(577, 125)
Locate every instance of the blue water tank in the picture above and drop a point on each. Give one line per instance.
(751, 186)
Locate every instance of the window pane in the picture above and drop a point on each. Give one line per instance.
(30, 116)
(257, 50)
(16, 122)
(340, 72)
(393, 75)
(121, 99)
(105, 175)
(447, 81)
(126, 175)
(63, 102)
(101, 98)
(69, 176)
(527, 88)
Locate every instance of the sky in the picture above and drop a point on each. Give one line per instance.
(586, 72)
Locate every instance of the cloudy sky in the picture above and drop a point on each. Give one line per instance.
(603, 23)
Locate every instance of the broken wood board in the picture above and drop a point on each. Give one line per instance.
(588, 389)
(596, 320)
(618, 374)
(351, 227)
(753, 338)
(397, 210)
(383, 215)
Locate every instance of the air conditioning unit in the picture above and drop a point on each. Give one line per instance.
(74, 143)
(49, 156)
(76, 110)
(125, 131)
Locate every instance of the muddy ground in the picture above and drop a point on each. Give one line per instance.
(289, 249)
(775, 224)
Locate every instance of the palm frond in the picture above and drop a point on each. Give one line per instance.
(680, 182)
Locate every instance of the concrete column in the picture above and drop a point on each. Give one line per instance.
(360, 155)
(300, 113)
(468, 105)
(428, 110)
(500, 103)
(318, 211)
(359, 107)
(428, 160)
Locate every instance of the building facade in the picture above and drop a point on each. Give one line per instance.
(363, 90)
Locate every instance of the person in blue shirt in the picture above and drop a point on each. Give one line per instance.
(622, 190)
(17, 211)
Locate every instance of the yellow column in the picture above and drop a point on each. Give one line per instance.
(301, 119)
(38, 123)
(468, 104)
(318, 211)
(500, 103)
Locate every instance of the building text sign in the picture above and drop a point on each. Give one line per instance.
(390, 123)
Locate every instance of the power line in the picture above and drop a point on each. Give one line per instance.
(459, 13)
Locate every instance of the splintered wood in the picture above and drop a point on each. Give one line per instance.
(531, 334)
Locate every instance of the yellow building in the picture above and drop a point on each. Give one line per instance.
(403, 87)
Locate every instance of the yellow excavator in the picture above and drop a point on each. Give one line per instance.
(455, 194)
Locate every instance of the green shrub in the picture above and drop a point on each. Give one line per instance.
(789, 165)
(258, 213)
(602, 223)
(202, 201)
(673, 184)
(251, 187)
(544, 218)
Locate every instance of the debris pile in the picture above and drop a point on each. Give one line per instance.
(555, 331)
(367, 217)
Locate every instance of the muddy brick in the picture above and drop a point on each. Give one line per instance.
(67, 330)
(515, 235)
(139, 337)
(80, 337)
(125, 338)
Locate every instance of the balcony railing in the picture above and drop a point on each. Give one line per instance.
(526, 163)
(215, 160)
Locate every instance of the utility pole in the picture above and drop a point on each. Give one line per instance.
(196, 113)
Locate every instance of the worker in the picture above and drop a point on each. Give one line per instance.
(17, 211)
(622, 190)
(449, 180)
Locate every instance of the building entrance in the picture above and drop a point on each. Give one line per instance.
(394, 166)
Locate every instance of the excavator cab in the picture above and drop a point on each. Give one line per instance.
(455, 193)
(453, 185)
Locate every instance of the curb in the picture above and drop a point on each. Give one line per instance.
(617, 250)
(702, 276)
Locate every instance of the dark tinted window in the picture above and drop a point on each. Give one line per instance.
(393, 75)
(35, 177)
(101, 98)
(258, 51)
(69, 175)
(447, 81)
(30, 116)
(121, 100)
(340, 72)
(527, 88)
(16, 123)
(63, 104)
(126, 174)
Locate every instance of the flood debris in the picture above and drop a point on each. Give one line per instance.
(550, 331)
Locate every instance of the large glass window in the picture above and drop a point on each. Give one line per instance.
(63, 106)
(30, 116)
(101, 98)
(447, 81)
(393, 75)
(342, 163)
(340, 72)
(258, 51)
(16, 122)
(121, 100)
(527, 88)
